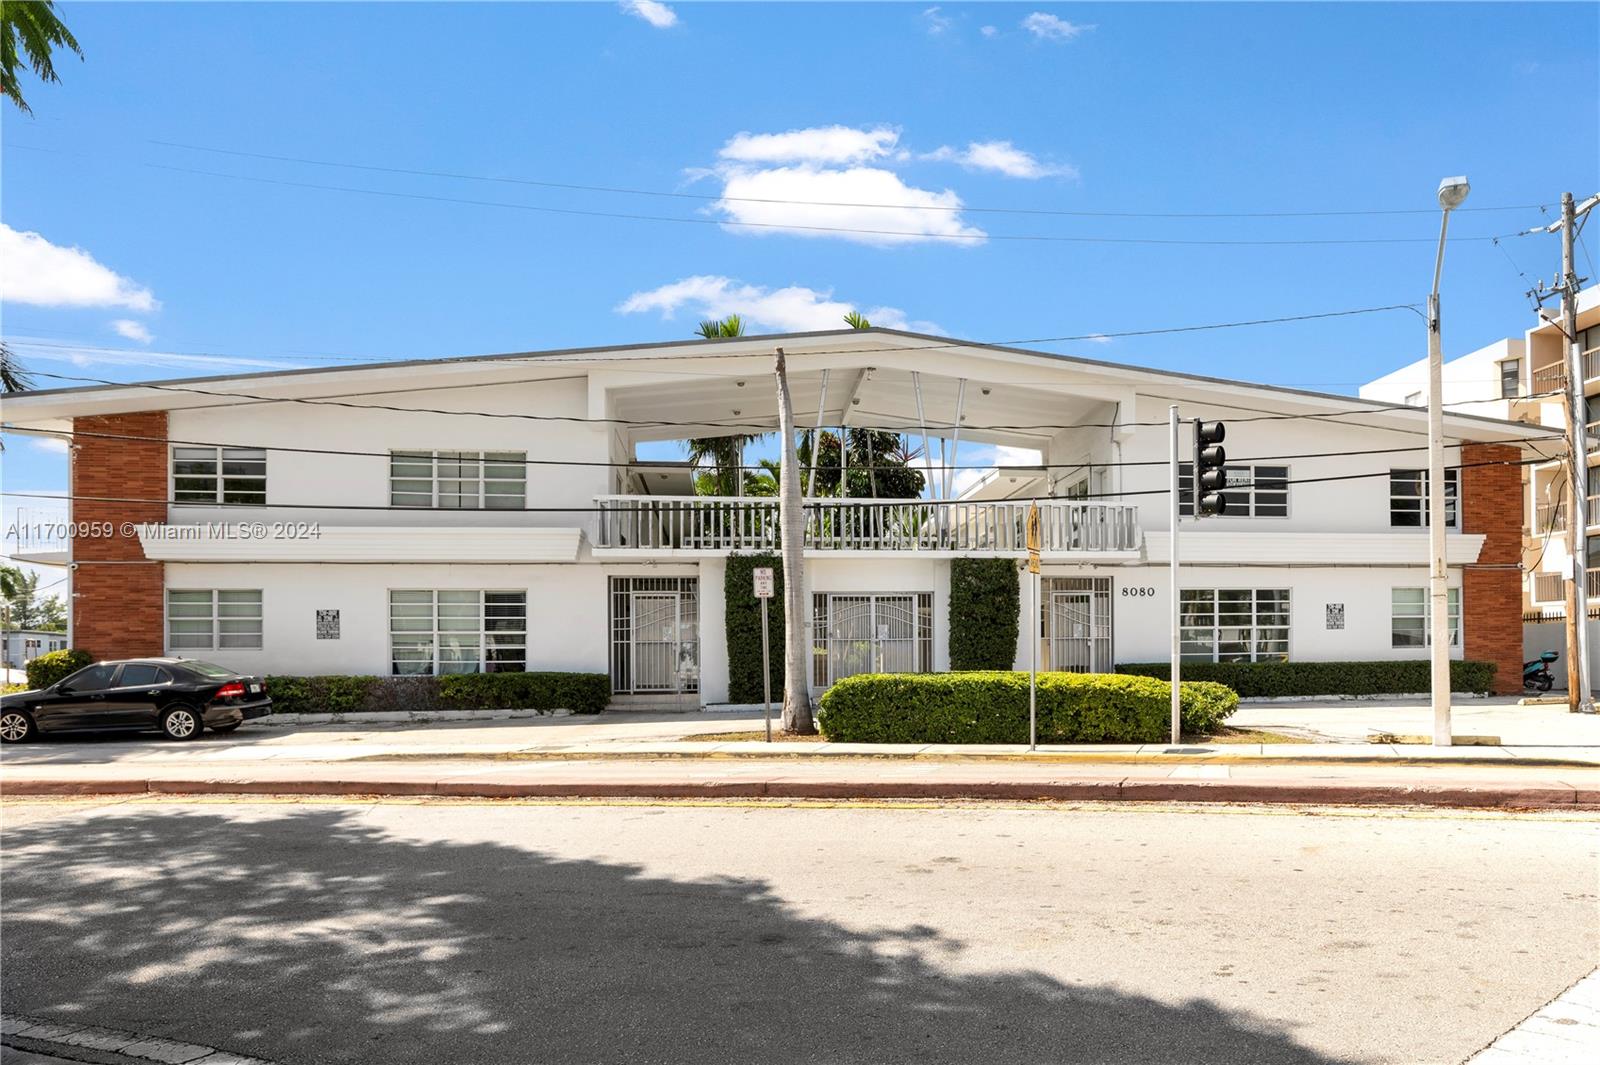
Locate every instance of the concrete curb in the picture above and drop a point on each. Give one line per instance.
(915, 753)
(1321, 793)
(391, 717)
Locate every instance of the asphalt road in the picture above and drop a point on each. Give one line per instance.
(503, 932)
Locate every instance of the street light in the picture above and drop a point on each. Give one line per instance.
(1452, 192)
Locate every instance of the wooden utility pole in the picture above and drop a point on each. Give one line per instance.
(791, 533)
(1580, 698)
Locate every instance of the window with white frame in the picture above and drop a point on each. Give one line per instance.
(1408, 498)
(1250, 491)
(459, 480)
(1234, 624)
(890, 632)
(1408, 617)
(453, 631)
(213, 618)
(219, 475)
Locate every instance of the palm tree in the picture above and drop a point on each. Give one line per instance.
(32, 24)
(857, 320)
(791, 524)
(724, 453)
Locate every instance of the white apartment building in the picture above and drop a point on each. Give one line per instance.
(492, 513)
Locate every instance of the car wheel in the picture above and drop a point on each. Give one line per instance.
(225, 728)
(16, 726)
(181, 723)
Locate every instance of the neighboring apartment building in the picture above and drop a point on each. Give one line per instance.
(18, 647)
(490, 514)
(1523, 379)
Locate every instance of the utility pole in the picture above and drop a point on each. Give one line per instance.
(1580, 695)
(1580, 685)
(791, 533)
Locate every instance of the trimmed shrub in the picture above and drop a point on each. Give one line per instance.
(320, 695)
(985, 613)
(582, 693)
(742, 619)
(54, 665)
(1256, 680)
(992, 707)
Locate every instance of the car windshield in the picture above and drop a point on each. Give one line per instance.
(208, 669)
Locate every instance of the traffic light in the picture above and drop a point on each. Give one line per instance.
(1209, 476)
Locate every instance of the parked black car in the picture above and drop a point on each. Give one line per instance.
(179, 696)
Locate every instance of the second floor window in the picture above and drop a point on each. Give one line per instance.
(1408, 499)
(459, 480)
(1510, 378)
(1251, 492)
(219, 475)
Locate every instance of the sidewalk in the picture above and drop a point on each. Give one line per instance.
(1180, 779)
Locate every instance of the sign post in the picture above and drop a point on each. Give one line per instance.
(763, 582)
(1034, 626)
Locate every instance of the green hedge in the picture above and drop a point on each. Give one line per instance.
(582, 693)
(985, 613)
(742, 620)
(1254, 680)
(992, 707)
(53, 665)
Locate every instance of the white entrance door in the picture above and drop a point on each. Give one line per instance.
(1072, 632)
(658, 643)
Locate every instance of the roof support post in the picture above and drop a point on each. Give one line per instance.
(955, 442)
(816, 439)
(922, 420)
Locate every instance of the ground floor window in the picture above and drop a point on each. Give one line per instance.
(655, 634)
(433, 632)
(1408, 617)
(1077, 624)
(890, 632)
(1234, 624)
(213, 618)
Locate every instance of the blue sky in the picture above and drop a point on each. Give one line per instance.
(1128, 110)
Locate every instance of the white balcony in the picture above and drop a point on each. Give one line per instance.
(722, 525)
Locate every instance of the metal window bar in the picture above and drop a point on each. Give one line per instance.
(889, 632)
(1077, 624)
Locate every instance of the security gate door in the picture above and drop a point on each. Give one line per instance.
(658, 647)
(870, 634)
(1072, 632)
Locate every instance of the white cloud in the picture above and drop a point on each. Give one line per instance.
(127, 327)
(993, 456)
(838, 145)
(654, 12)
(35, 271)
(988, 31)
(1002, 157)
(1048, 27)
(1098, 338)
(866, 199)
(54, 444)
(937, 23)
(793, 309)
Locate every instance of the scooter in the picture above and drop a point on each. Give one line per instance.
(1536, 674)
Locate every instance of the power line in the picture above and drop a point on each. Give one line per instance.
(623, 190)
(825, 351)
(643, 464)
(830, 503)
(715, 423)
(801, 227)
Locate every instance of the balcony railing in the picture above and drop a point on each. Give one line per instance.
(1553, 377)
(724, 523)
(1553, 518)
(1552, 587)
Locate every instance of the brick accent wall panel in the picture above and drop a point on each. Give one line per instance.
(118, 594)
(1491, 593)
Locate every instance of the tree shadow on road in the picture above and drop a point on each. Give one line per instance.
(307, 935)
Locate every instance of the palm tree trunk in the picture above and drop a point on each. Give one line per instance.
(791, 523)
